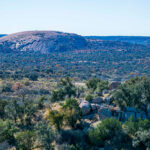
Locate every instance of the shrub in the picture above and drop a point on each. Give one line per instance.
(89, 97)
(131, 127)
(6, 87)
(135, 93)
(27, 83)
(72, 112)
(56, 118)
(73, 137)
(45, 135)
(7, 130)
(105, 131)
(3, 104)
(25, 140)
(142, 140)
(43, 91)
(33, 77)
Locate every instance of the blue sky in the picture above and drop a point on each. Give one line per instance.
(84, 17)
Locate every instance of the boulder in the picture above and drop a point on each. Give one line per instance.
(85, 107)
(131, 109)
(94, 107)
(98, 106)
(105, 92)
(99, 93)
(107, 100)
(89, 117)
(97, 100)
(104, 112)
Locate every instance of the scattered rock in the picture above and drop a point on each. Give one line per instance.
(105, 92)
(94, 107)
(85, 107)
(99, 93)
(98, 106)
(104, 112)
(97, 100)
(89, 117)
(131, 109)
(107, 100)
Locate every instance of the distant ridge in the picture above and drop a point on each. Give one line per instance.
(1, 35)
(130, 39)
(54, 41)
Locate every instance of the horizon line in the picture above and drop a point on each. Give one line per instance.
(79, 34)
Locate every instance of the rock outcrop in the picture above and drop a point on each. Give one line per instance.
(42, 41)
(85, 107)
(97, 100)
(54, 41)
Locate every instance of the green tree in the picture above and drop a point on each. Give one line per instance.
(40, 102)
(104, 132)
(102, 85)
(33, 76)
(21, 112)
(13, 110)
(97, 85)
(72, 112)
(6, 87)
(65, 89)
(25, 140)
(56, 118)
(142, 140)
(7, 131)
(29, 110)
(68, 87)
(134, 93)
(57, 95)
(92, 84)
(3, 104)
(89, 97)
(131, 127)
(45, 135)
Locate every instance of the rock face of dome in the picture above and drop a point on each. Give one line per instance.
(53, 41)
(42, 41)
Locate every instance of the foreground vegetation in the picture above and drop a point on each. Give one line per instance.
(53, 119)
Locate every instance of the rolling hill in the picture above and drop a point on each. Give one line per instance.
(43, 41)
(1, 35)
(72, 55)
(54, 41)
(130, 39)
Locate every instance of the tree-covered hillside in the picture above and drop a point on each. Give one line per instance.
(47, 114)
(80, 65)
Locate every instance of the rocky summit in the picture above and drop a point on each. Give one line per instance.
(54, 41)
(42, 41)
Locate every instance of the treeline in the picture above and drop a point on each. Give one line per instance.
(118, 65)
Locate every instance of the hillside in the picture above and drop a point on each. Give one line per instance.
(53, 41)
(71, 55)
(43, 41)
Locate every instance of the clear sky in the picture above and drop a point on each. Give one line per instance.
(84, 17)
